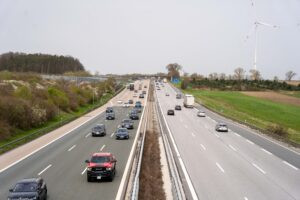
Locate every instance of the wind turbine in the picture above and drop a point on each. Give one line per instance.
(256, 24)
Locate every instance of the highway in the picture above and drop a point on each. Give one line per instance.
(234, 165)
(61, 163)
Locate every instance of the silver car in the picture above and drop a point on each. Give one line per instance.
(221, 127)
(201, 113)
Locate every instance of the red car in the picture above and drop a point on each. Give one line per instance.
(101, 166)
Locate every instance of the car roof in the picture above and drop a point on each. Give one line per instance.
(122, 128)
(102, 154)
(29, 180)
(221, 123)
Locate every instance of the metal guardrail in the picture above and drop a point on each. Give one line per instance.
(45, 130)
(177, 188)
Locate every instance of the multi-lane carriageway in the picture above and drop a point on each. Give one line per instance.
(239, 164)
(59, 156)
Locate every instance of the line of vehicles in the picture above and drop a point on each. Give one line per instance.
(101, 165)
(188, 102)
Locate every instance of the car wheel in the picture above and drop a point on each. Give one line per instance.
(89, 179)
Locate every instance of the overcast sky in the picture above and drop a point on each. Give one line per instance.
(143, 36)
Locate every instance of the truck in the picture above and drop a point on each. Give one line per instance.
(131, 86)
(188, 101)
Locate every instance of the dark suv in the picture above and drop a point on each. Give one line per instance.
(133, 115)
(32, 188)
(101, 165)
(127, 123)
(99, 130)
(122, 133)
(110, 114)
(130, 101)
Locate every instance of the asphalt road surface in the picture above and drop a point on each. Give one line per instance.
(61, 164)
(234, 165)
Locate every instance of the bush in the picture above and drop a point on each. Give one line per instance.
(59, 98)
(5, 130)
(278, 130)
(23, 92)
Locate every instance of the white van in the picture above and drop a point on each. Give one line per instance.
(188, 101)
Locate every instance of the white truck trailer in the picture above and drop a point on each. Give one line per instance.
(188, 101)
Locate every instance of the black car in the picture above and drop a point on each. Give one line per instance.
(177, 107)
(127, 123)
(32, 188)
(141, 96)
(99, 130)
(133, 115)
(130, 101)
(122, 133)
(171, 112)
(110, 114)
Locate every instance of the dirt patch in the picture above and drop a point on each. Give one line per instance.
(276, 97)
(151, 183)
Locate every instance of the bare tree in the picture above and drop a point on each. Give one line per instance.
(239, 73)
(173, 70)
(254, 74)
(290, 75)
(222, 76)
(213, 76)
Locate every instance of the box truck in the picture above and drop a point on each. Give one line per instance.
(188, 101)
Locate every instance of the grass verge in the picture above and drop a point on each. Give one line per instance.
(22, 137)
(257, 112)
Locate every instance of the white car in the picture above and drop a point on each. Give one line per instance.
(119, 102)
(126, 105)
(134, 95)
(201, 113)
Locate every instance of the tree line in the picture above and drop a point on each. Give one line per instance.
(39, 63)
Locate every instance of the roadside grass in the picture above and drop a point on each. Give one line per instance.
(258, 112)
(291, 93)
(61, 119)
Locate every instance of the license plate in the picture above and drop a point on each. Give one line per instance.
(98, 177)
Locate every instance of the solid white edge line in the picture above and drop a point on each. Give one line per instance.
(87, 135)
(220, 167)
(83, 171)
(38, 149)
(268, 152)
(102, 147)
(292, 166)
(203, 147)
(112, 135)
(70, 149)
(249, 141)
(186, 175)
(44, 170)
(257, 167)
(127, 167)
(234, 149)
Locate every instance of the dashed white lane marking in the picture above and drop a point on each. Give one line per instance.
(102, 147)
(245, 198)
(44, 170)
(220, 167)
(88, 135)
(257, 167)
(83, 171)
(292, 166)
(249, 141)
(193, 134)
(112, 135)
(217, 135)
(72, 147)
(236, 134)
(268, 152)
(203, 147)
(234, 149)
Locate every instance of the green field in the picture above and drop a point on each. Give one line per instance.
(292, 93)
(258, 112)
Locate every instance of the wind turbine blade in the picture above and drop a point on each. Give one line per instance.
(266, 24)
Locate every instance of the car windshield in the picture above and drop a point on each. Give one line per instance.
(126, 121)
(25, 187)
(224, 125)
(122, 130)
(100, 159)
(98, 128)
